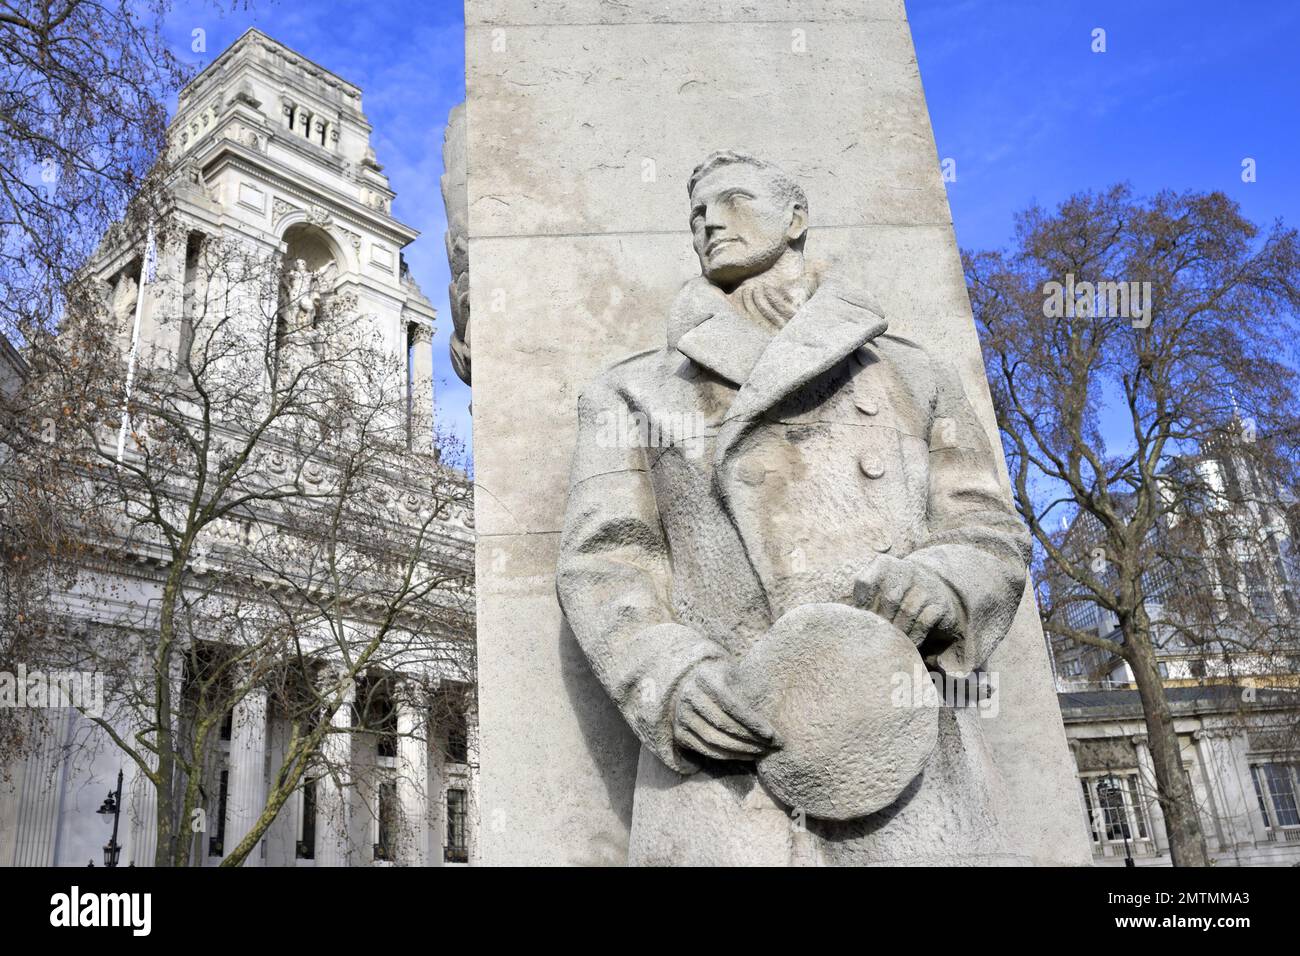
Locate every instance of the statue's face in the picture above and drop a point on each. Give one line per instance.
(741, 224)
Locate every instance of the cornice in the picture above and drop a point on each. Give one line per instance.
(226, 152)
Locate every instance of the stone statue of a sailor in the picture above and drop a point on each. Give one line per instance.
(779, 524)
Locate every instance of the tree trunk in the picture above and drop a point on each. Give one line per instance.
(166, 824)
(1177, 801)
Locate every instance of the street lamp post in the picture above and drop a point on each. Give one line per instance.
(113, 804)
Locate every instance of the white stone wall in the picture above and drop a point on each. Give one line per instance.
(584, 120)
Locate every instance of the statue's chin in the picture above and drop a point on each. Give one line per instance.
(730, 276)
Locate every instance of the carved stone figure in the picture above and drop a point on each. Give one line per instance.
(122, 305)
(778, 524)
(455, 199)
(303, 291)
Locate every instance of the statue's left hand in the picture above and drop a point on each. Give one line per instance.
(911, 597)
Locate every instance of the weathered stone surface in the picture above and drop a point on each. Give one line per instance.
(573, 92)
(575, 761)
(583, 12)
(550, 111)
(576, 324)
(826, 677)
(738, 492)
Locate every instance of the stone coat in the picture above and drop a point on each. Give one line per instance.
(737, 473)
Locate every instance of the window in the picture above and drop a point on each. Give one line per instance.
(191, 308)
(217, 842)
(456, 850)
(386, 817)
(1275, 788)
(1114, 806)
(458, 741)
(306, 849)
(374, 710)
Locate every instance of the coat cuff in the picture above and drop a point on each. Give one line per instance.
(650, 698)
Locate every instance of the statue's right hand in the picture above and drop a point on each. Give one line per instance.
(712, 720)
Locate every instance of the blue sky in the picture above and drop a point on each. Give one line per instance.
(1184, 92)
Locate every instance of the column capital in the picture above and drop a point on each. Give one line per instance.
(421, 333)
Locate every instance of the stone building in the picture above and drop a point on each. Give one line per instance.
(273, 151)
(1234, 692)
(1239, 751)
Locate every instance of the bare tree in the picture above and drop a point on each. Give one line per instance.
(259, 458)
(83, 92)
(1128, 342)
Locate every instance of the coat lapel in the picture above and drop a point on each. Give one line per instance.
(704, 328)
(836, 320)
(833, 323)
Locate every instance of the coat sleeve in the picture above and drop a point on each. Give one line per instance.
(976, 543)
(613, 576)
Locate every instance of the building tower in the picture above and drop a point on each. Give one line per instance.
(270, 152)
(272, 148)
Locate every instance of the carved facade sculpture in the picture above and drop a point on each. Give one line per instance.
(304, 290)
(455, 199)
(122, 303)
(778, 524)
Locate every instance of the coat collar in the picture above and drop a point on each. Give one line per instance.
(837, 319)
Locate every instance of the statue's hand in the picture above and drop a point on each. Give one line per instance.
(911, 597)
(712, 720)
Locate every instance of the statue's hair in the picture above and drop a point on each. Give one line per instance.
(785, 184)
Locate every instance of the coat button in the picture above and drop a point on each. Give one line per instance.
(751, 474)
(871, 467)
(866, 405)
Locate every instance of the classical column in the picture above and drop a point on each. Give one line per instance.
(40, 795)
(1208, 795)
(1225, 771)
(333, 788)
(1147, 777)
(140, 796)
(140, 800)
(413, 776)
(246, 795)
(421, 386)
(141, 842)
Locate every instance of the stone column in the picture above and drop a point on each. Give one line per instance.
(246, 796)
(334, 790)
(1235, 797)
(140, 797)
(1208, 799)
(421, 387)
(413, 777)
(1147, 774)
(578, 242)
(40, 792)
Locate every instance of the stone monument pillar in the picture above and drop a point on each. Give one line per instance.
(583, 122)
